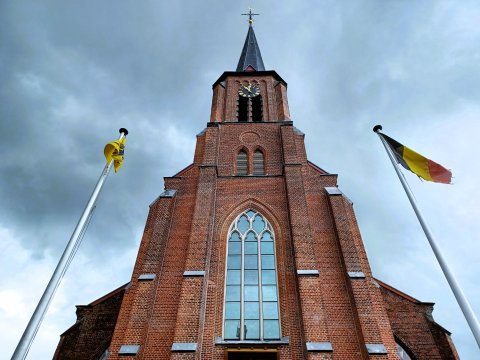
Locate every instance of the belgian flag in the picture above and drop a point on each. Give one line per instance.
(421, 166)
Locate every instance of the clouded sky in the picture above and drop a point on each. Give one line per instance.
(73, 73)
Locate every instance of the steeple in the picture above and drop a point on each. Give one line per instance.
(251, 58)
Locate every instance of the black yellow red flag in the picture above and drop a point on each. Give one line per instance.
(418, 164)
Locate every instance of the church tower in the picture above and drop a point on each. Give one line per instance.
(253, 252)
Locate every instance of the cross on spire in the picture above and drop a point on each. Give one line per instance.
(250, 16)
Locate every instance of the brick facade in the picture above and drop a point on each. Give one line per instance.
(330, 305)
(414, 328)
(91, 335)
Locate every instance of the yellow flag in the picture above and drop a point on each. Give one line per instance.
(114, 151)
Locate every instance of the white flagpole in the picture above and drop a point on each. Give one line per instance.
(457, 291)
(26, 340)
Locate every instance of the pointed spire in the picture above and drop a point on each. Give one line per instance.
(251, 58)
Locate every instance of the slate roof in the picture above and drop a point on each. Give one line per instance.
(251, 58)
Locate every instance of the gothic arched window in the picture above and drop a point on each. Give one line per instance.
(242, 163)
(251, 309)
(258, 163)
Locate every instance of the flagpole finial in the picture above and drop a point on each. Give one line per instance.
(377, 128)
(124, 131)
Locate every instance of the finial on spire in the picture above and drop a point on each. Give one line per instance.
(250, 16)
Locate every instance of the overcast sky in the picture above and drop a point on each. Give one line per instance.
(73, 73)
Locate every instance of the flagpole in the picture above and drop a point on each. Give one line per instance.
(457, 291)
(26, 340)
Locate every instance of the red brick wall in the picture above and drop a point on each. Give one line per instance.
(414, 327)
(292, 197)
(91, 335)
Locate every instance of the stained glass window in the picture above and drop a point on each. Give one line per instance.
(251, 294)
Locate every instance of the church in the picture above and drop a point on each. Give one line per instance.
(253, 252)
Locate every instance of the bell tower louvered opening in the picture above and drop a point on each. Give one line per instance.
(242, 163)
(242, 109)
(257, 112)
(258, 163)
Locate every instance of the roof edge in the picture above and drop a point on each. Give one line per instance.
(402, 294)
(107, 296)
(318, 168)
(184, 170)
(77, 323)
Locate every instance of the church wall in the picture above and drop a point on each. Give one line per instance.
(281, 101)
(191, 309)
(186, 308)
(143, 320)
(90, 336)
(336, 297)
(200, 147)
(235, 190)
(413, 325)
(374, 325)
(235, 136)
(135, 307)
(218, 103)
(164, 309)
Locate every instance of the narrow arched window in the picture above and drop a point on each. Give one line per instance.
(258, 163)
(251, 310)
(242, 163)
(257, 111)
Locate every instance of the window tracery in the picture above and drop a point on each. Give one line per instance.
(251, 310)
